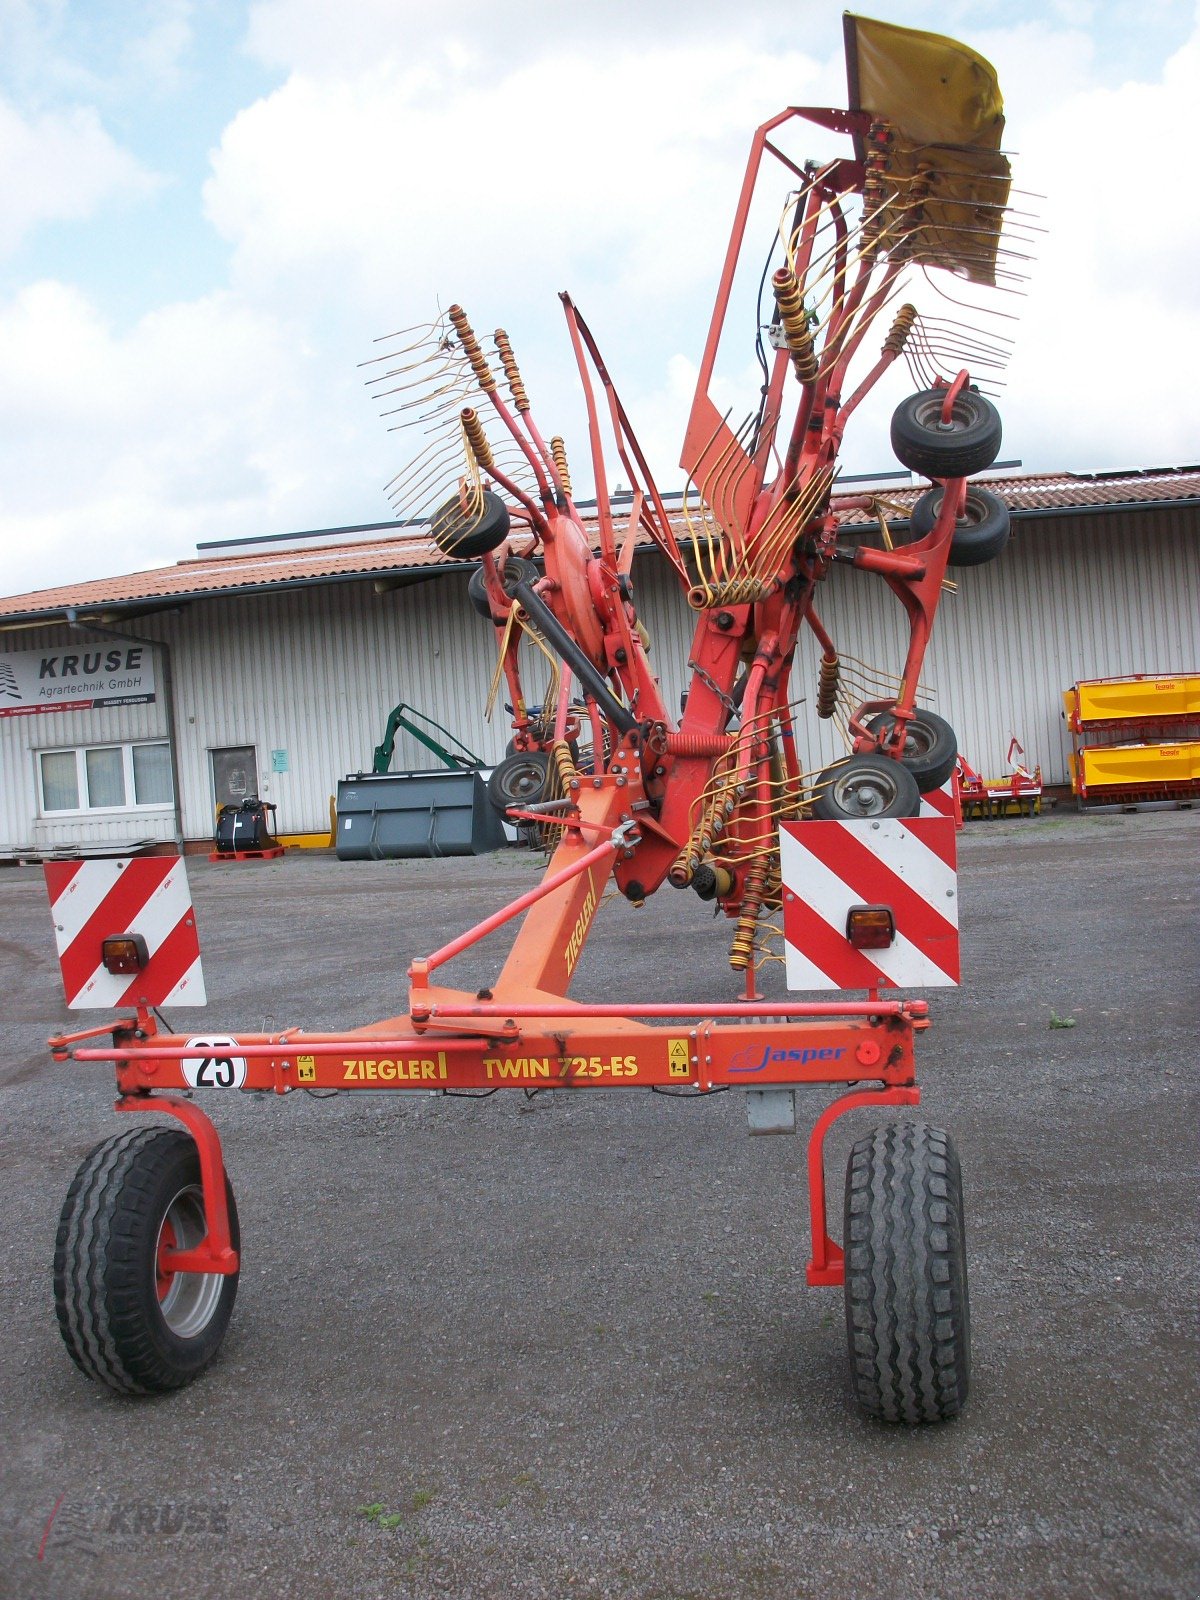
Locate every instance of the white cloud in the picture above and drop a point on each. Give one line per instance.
(419, 156)
(121, 450)
(155, 58)
(58, 166)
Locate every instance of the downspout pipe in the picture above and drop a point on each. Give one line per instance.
(161, 645)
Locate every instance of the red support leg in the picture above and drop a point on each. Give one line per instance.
(827, 1266)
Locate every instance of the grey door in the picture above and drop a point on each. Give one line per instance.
(235, 774)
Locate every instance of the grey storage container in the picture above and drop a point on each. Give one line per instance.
(395, 814)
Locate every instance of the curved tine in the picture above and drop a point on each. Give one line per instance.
(429, 370)
(431, 377)
(428, 407)
(450, 399)
(786, 514)
(725, 464)
(434, 454)
(439, 355)
(730, 470)
(773, 547)
(966, 305)
(947, 343)
(428, 331)
(421, 479)
(969, 331)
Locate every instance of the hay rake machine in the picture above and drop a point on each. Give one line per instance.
(716, 801)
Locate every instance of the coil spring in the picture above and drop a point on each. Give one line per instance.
(795, 323)
(559, 451)
(470, 344)
(739, 592)
(914, 216)
(565, 766)
(698, 744)
(901, 328)
(741, 951)
(827, 686)
(511, 371)
(716, 813)
(874, 193)
(476, 438)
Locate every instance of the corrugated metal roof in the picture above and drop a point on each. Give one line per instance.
(411, 552)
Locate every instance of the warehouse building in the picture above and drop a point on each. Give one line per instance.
(131, 706)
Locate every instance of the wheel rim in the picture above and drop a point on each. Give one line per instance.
(187, 1300)
(918, 740)
(524, 783)
(928, 415)
(864, 794)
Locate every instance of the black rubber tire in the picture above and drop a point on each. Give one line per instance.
(865, 787)
(516, 570)
(908, 1315)
(980, 534)
(105, 1256)
(519, 780)
(466, 538)
(969, 444)
(930, 747)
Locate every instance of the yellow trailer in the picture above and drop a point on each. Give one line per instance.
(1129, 774)
(1103, 702)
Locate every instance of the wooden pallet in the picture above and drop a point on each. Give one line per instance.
(246, 855)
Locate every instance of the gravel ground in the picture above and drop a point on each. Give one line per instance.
(564, 1345)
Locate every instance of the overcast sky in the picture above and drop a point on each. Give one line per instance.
(209, 210)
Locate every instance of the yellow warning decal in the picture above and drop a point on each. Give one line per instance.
(306, 1069)
(679, 1058)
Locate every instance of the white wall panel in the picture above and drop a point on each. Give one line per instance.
(21, 738)
(1102, 596)
(315, 671)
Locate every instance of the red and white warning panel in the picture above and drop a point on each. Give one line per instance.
(905, 868)
(126, 932)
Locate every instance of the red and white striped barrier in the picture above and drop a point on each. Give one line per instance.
(91, 901)
(940, 803)
(908, 865)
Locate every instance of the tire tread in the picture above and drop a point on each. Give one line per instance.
(100, 1263)
(907, 1313)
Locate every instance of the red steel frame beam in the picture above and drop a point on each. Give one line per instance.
(527, 1034)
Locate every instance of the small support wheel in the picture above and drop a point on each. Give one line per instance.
(980, 534)
(516, 570)
(126, 1319)
(519, 780)
(930, 747)
(866, 786)
(968, 443)
(908, 1318)
(468, 532)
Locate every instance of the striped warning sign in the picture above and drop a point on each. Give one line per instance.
(938, 802)
(908, 865)
(91, 901)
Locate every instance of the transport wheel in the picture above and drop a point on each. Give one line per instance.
(866, 786)
(466, 535)
(980, 534)
(967, 444)
(930, 747)
(908, 1320)
(516, 570)
(519, 780)
(127, 1321)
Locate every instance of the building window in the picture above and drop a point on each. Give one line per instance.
(107, 777)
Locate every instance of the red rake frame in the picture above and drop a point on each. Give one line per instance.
(525, 1033)
(633, 814)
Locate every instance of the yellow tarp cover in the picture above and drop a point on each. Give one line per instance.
(943, 102)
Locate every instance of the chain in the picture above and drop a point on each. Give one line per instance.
(707, 681)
